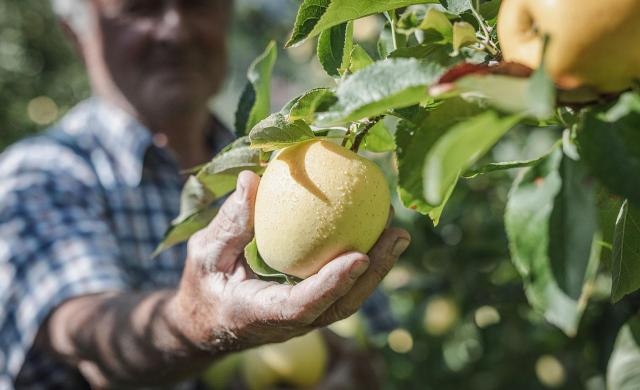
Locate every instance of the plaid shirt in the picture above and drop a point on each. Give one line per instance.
(82, 208)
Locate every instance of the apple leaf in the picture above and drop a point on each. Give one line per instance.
(379, 139)
(359, 59)
(334, 48)
(377, 89)
(489, 10)
(506, 165)
(608, 212)
(626, 252)
(609, 141)
(454, 152)
(438, 21)
(260, 268)
(463, 34)
(221, 174)
(255, 102)
(277, 132)
(457, 6)
(552, 225)
(429, 52)
(181, 230)
(509, 94)
(541, 94)
(623, 369)
(416, 134)
(195, 197)
(315, 16)
(306, 106)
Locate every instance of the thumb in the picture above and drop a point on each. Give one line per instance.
(232, 228)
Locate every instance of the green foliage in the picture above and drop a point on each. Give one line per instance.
(623, 372)
(316, 16)
(255, 102)
(552, 223)
(609, 141)
(626, 252)
(376, 89)
(564, 247)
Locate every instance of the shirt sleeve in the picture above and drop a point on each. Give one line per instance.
(55, 243)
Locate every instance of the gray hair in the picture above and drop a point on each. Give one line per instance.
(73, 12)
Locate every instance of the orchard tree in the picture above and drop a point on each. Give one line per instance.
(449, 80)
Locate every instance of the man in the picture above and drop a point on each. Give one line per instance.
(83, 207)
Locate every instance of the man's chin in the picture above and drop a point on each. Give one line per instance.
(177, 98)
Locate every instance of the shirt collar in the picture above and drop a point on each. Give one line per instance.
(127, 141)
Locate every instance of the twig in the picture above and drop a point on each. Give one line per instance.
(360, 137)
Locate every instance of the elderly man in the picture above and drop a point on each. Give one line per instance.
(83, 206)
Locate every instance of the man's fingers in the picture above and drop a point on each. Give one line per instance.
(314, 295)
(232, 229)
(383, 256)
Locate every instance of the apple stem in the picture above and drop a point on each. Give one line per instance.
(363, 133)
(347, 135)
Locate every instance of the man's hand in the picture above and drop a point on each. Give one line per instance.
(222, 306)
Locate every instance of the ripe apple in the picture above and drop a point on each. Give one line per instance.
(593, 43)
(316, 201)
(299, 362)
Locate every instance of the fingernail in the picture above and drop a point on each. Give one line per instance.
(400, 246)
(358, 269)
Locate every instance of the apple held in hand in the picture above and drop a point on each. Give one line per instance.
(316, 201)
(593, 43)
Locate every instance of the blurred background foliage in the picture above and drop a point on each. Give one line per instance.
(464, 322)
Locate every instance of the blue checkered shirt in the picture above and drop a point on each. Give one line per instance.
(82, 207)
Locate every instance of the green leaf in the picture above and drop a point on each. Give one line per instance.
(255, 102)
(463, 34)
(360, 59)
(438, 21)
(506, 165)
(623, 369)
(608, 211)
(552, 225)
(181, 230)
(541, 94)
(315, 16)
(306, 106)
(458, 149)
(260, 268)
(626, 252)
(386, 44)
(220, 175)
(379, 139)
(609, 141)
(416, 134)
(489, 10)
(429, 52)
(378, 88)
(195, 197)
(334, 48)
(277, 132)
(457, 6)
(509, 94)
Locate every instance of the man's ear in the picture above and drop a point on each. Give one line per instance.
(72, 38)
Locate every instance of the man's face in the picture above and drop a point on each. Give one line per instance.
(160, 54)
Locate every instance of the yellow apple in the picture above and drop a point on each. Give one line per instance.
(299, 362)
(593, 43)
(316, 201)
